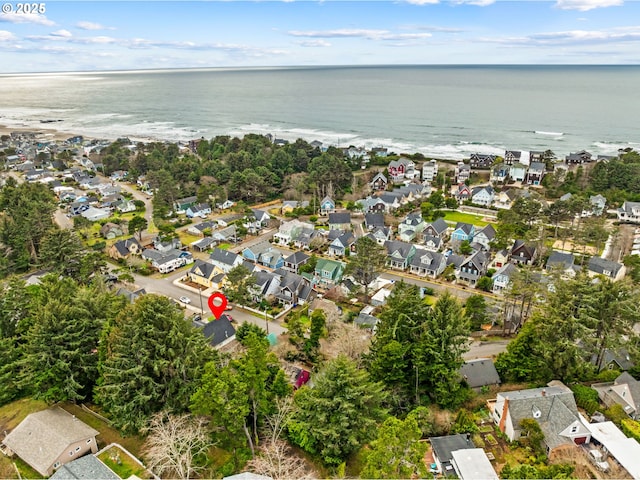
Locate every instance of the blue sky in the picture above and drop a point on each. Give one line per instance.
(123, 35)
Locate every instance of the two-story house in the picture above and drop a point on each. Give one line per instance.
(522, 253)
(479, 160)
(327, 273)
(293, 262)
(342, 244)
(429, 171)
(499, 173)
(427, 264)
(629, 212)
(379, 182)
(399, 254)
(380, 234)
(401, 169)
(293, 289)
(463, 231)
(224, 260)
(462, 172)
(373, 220)
(503, 277)
(512, 156)
(473, 268)
(485, 236)
(482, 195)
(327, 206)
(340, 221)
(535, 173)
(462, 192)
(518, 172)
(411, 227)
(289, 231)
(437, 228)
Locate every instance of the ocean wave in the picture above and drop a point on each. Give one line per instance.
(550, 134)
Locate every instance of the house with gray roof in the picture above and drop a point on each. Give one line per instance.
(623, 391)
(131, 296)
(443, 448)
(485, 236)
(561, 261)
(202, 273)
(224, 259)
(293, 289)
(48, 439)
(373, 220)
(380, 235)
(219, 332)
(203, 244)
(522, 253)
(411, 227)
(88, 467)
(340, 221)
(399, 254)
(552, 407)
(342, 244)
(124, 248)
(629, 212)
(602, 266)
(432, 243)
(427, 263)
(473, 268)
(503, 277)
(294, 261)
(437, 228)
(479, 373)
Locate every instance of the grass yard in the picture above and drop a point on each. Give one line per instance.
(187, 238)
(224, 246)
(455, 217)
(122, 464)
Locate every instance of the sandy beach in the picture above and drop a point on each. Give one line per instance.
(45, 131)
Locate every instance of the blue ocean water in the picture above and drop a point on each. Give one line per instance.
(441, 111)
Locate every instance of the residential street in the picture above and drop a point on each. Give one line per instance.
(484, 349)
(457, 291)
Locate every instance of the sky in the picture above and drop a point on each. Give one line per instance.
(124, 35)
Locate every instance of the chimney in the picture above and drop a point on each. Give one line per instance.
(543, 392)
(503, 418)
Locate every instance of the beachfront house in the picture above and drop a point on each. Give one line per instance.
(479, 160)
(462, 172)
(401, 169)
(482, 195)
(518, 172)
(499, 173)
(535, 173)
(429, 171)
(512, 156)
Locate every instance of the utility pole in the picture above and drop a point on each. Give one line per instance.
(200, 292)
(266, 322)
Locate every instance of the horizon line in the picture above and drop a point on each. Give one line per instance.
(311, 67)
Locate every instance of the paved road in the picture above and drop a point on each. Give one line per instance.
(480, 349)
(457, 291)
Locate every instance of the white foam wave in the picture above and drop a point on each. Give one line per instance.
(550, 134)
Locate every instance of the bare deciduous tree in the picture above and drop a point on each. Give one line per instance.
(175, 443)
(347, 339)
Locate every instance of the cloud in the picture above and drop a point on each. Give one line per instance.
(433, 28)
(62, 33)
(314, 43)
(359, 33)
(92, 26)
(585, 5)
(422, 2)
(6, 36)
(572, 37)
(477, 3)
(26, 18)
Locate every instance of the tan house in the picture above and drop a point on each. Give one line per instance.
(48, 439)
(124, 248)
(206, 274)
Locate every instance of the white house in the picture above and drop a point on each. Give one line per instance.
(629, 212)
(483, 195)
(429, 171)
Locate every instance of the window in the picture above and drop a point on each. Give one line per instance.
(56, 465)
(77, 449)
(574, 429)
(89, 440)
(71, 454)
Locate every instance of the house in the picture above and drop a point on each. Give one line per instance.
(535, 173)
(372, 204)
(201, 228)
(379, 182)
(131, 296)
(429, 171)
(399, 254)
(289, 231)
(552, 407)
(272, 258)
(88, 467)
(203, 244)
(225, 205)
(125, 206)
(366, 321)
(327, 273)
(601, 266)
(626, 451)
(401, 169)
(462, 192)
(437, 228)
(379, 152)
(327, 206)
(505, 198)
(340, 221)
(499, 173)
(181, 205)
(288, 206)
(503, 277)
(473, 268)
(341, 245)
(443, 447)
(266, 285)
(431, 243)
(166, 244)
(479, 373)
(473, 464)
(522, 253)
(293, 289)
(124, 248)
(463, 231)
(202, 273)
(309, 238)
(613, 359)
(164, 262)
(373, 220)
(294, 261)
(598, 204)
(629, 212)
(478, 160)
(623, 391)
(411, 227)
(501, 258)
(563, 262)
(518, 172)
(462, 173)
(485, 236)
(111, 230)
(48, 439)
(482, 195)
(512, 156)
(256, 221)
(427, 264)
(224, 260)
(219, 332)
(387, 202)
(94, 214)
(254, 252)
(228, 234)
(578, 158)
(200, 210)
(380, 235)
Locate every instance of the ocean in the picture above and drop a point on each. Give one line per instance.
(440, 111)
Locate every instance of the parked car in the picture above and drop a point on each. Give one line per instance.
(598, 460)
(228, 307)
(230, 318)
(185, 300)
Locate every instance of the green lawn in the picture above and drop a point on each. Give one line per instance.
(455, 217)
(224, 246)
(187, 238)
(122, 464)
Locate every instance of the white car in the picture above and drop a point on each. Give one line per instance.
(185, 300)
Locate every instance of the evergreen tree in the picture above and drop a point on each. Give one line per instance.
(151, 361)
(367, 264)
(239, 284)
(336, 416)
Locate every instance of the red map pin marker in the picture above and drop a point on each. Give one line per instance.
(217, 310)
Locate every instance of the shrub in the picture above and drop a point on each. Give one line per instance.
(630, 428)
(586, 397)
(607, 375)
(616, 414)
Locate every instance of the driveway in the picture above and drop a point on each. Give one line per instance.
(486, 349)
